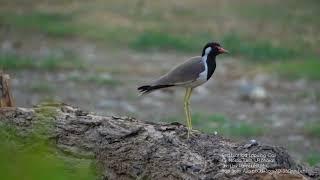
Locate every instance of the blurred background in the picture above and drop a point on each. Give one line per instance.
(94, 54)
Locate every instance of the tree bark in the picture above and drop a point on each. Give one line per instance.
(6, 99)
(127, 148)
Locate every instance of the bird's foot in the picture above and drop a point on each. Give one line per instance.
(193, 132)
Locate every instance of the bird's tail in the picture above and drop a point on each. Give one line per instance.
(148, 88)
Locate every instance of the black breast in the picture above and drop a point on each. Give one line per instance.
(211, 64)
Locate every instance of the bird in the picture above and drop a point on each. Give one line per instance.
(189, 74)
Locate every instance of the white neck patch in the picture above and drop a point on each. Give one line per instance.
(207, 51)
(203, 75)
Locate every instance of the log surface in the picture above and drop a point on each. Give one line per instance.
(126, 148)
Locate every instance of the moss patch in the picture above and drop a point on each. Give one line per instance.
(313, 158)
(35, 157)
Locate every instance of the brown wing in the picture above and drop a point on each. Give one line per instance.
(184, 73)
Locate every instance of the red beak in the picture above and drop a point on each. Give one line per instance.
(221, 50)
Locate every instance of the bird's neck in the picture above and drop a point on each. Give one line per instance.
(210, 61)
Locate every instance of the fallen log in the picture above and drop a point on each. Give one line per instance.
(127, 148)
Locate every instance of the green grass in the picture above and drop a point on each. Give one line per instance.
(56, 24)
(150, 40)
(256, 49)
(14, 62)
(164, 35)
(313, 158)
(313, 129)
(308, 69)
(108, 35)
(33, 156)
(53, 24)
(251, 30)
(237, 44)
(223, 125)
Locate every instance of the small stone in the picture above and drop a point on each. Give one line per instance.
(7, 47)
(242, 117)
(252, 92)
(106, 76)
(253, 141)
(115, 117)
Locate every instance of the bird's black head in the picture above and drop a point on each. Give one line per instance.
(213, 48)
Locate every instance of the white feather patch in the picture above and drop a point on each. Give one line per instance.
(207, 51)
(203, 75)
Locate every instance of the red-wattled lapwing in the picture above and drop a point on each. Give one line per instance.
(190, 74)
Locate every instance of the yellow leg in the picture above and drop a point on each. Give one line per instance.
(185, 100)
(187, 110)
